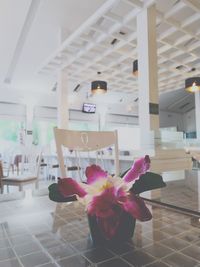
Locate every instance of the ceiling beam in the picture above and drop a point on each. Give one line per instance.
(92, 19)
(22, 39)
(193, 4)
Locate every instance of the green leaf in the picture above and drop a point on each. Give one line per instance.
(148, 181)
(56, 196)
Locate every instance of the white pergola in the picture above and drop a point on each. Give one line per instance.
(107, 42)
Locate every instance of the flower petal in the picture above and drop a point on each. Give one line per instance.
(137, 208)
(69, 187)
(94, 173)
(103, 205)
(139, 167)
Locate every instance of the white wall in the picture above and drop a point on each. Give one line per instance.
(12, 110)
(183, 122)
(189, 121)
(171, 119)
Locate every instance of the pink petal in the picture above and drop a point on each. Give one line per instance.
(69, 187)
(94, 173)
(102, 205)
(137, 208)
(121, 195)
(139, 167)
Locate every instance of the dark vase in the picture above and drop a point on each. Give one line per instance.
(123, 233)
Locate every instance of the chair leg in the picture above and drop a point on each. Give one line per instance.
(20, 187)
(2, 189)
(37, 185)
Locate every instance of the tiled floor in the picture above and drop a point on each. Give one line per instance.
(38, 232)
(183, 193)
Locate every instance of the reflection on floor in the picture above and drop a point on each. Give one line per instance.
(38, 232)
(13, 193)
(184, 193)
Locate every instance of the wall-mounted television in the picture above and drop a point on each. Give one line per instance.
(89, 108)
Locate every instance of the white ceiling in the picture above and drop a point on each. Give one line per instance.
(40, 37)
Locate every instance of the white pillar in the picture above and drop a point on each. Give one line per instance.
(62, 100)
(147, 74)
(197, 113)
(198, 189)
(29, 124)
(102, 111)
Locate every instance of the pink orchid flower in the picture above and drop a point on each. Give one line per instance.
(107, 197)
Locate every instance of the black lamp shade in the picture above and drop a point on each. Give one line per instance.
(192, 85)
(135, 67)
(99, 87)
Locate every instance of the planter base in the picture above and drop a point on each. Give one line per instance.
(124, 231)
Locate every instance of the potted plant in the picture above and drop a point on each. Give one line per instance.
(112, 203)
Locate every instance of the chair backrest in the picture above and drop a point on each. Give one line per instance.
(1, 173)
(85, 141)
(28, 161)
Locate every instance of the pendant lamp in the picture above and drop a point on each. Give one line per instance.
(135, 67)
(192, 85)
(99, 87)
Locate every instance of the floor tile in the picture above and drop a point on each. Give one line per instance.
(10, 263)
(157, 235)
(4, 243)
(75, 261)
(180, 260)
(35, 259)
(50, 243)
(27, 248)
(62, 251)
(175, 243)
(83, 245)
(114, 263)
(49, 265)
(158, 250)
(157, 264)
(67, 244)
(6, 253)
(20, 239)
(172, 230)
(138, 258)
(16, 231)
(140, 242)
(121, 248)
(192, 251)
(190, 236)
(98, 255)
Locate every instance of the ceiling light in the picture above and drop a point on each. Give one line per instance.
(114, 41)
(192, 85)
(135, 67)
(99, 87)
(77, 88)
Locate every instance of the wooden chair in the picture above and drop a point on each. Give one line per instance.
(26, 171)
(89, 146)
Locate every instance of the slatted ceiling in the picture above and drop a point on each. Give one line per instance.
(173, 36)
(177, 45)
(122, 9)
(164, 5)
(184, 13)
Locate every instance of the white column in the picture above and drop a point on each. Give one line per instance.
(147, 74)
(198, 189)
(102, 111)
(197, 113)
(62, 100)
(29, 124)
